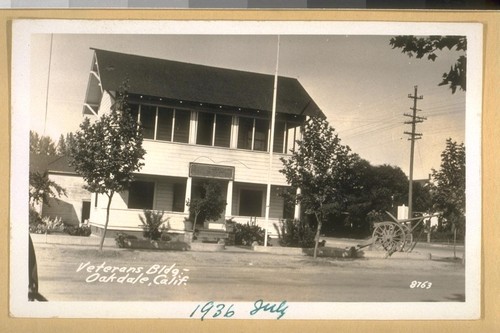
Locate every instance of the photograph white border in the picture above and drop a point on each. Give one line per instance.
(22, 31)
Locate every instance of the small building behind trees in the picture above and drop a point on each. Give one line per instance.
(73, 207)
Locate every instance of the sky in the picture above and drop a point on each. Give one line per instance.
(360, 83)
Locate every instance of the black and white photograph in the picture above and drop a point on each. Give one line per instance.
(246, 170)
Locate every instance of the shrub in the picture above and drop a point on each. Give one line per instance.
(151, 223)
(121, 238)
(230, 225)
(294, 233)
(246, 234)
(54, 225)
(34, 216)
(36, 225)
(39, 228)
(46, 224)
(165, 237)
(78, 231)
(39, 225)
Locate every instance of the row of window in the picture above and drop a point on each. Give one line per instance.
(141, 196)
(214, 129)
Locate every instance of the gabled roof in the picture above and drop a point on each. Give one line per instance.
(52, 164)
(39, 163)
(61, 165)
(199, 83)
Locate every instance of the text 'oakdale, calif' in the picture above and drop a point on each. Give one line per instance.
(166, 275)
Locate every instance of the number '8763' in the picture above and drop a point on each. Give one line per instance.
(422, 285)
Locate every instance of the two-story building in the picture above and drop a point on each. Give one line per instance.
(199, 123)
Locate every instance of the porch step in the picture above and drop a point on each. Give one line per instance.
(207, 235)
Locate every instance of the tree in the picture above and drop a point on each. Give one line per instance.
(107, 152)
(422, 200)
(428, 46)
(61, 146)
(448, 185)
(42, 188)
(209, 206)
(321, 168)
(378, 189)
(42, 145)
(64, 143)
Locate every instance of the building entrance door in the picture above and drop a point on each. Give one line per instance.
(85, 211)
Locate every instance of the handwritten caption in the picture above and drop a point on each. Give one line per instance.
(419, 284)
(221, 310)
(166, 275)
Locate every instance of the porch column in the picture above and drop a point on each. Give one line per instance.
(296, 212)
(188, 194)
(229, 198)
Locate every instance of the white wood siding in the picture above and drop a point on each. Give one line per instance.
(172, 159)
(276, 206)
(69, 207)
(128, 219)
(106, 103)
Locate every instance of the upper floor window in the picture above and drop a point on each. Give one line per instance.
(253, 133)
(222, 136)
(148, 121)
(214, 129)
(181, 125)
(157, 122)
(285, 134)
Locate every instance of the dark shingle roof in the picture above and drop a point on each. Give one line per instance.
(39, 163)
(199, 83)
(61, 165)
(52, 164)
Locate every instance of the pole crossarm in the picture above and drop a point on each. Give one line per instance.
(413, 136)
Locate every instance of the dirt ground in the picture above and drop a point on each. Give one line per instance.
(80, 273)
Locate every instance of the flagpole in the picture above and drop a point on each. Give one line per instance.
(271, 141)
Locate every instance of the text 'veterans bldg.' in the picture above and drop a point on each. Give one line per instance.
(199, 123)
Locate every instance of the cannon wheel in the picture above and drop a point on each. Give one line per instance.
(408, 239)
(389, 236)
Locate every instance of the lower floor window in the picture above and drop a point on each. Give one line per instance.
(141, 195)
(251, 203)
(179, 197)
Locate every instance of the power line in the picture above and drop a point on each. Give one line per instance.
(48, 85)
(369, 128)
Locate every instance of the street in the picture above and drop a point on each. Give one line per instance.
(82, 273)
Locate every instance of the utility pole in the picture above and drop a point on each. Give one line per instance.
(413, 137)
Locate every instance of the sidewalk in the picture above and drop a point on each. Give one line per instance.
(71, 240)
(423, 250)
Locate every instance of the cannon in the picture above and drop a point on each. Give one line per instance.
(394, 236)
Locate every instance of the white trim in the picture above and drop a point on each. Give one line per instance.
(253, 135)
(156, 124)
(214, 126)
(235, 123)
(88, 106)
(173, 125)
(187, 195)
(193, 127)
